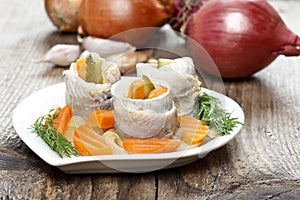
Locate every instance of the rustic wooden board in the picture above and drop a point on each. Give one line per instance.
(261, 163)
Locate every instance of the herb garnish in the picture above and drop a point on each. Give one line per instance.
(210, 111)
(43, 127)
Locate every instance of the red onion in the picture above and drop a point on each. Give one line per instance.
(241, 36)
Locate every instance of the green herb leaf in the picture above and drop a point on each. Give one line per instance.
(43, 127)
(210, 111)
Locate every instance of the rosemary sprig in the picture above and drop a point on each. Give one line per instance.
(43, 127)
(210, 111)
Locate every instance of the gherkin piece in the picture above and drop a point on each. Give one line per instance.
(164, 61)
(149, 86)
(94, 69)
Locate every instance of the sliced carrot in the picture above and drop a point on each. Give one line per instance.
(64, 116)
(88, 142)
(157, 92)
(136, 90)
(81, 67)
(102, 118)
(189, 120)
(144, 146)
(193, 138)
(79, 145)
(193, 131)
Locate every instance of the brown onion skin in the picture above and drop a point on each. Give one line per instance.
(241, 36)
(64, 14)
(104, 19)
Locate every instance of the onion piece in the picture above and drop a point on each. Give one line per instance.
(104, 19)
(241, 36)
(64, 14)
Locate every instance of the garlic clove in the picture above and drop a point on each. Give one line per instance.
(62, 54)
(105, 47)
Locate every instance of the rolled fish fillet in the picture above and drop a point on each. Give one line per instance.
(179, 76)
(86, 97)
(143, 118)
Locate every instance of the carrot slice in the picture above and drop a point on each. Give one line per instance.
(189, 120)
(102, 118)
(144, 146)
(157, 92)
(79, 145)
(88, 142)
(193, 138)
(194, 131)
(64, 116)
(81, 67)
(137, 90)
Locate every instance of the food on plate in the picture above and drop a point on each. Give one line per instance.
(159, 111)
(74, 123)
(102, 118)
(138, 116)
(88, 84)
(179, 75)
(192, 130)
(89, 142)
(138, 146)
(43, 127)
(209, 110)
(62, 118)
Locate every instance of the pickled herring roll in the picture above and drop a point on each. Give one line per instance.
(88, 84)
(179, 75)
(143, 109)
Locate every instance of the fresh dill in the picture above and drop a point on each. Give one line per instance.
(210, 111)
(43, 127)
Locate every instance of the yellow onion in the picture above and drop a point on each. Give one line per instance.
(64, 14)
(102, 18)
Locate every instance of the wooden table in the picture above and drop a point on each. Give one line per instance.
(262, 162)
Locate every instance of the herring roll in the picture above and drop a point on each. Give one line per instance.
(179, 76)
(141, 115)
(88, 84)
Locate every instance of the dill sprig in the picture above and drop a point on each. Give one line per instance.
(43, 127)
(210, 111)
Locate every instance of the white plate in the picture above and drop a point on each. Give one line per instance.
(42, 101)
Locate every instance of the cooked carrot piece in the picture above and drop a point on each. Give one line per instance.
(102, 118)
(144, 146)
(136, 90)
(189, 120)
(64, 116)
(88, 142)
(157, 92)
(81, 67)
(193, 131)
(79, 145)
(193, 138)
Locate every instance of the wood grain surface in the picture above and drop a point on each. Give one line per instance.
(262, 162)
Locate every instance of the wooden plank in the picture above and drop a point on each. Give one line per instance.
(261, 163)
